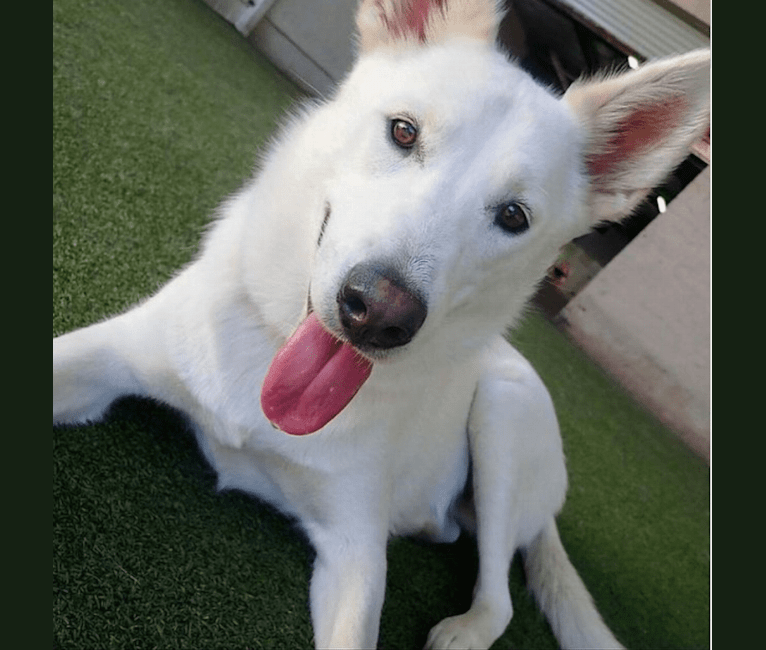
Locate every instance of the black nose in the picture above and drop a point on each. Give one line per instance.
(377, 310)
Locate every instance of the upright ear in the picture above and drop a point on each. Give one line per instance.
(639, 126)
(397, 23)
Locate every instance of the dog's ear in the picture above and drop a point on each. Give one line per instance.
(397, 23)
(639, 126)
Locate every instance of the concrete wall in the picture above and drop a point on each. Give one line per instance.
(313, 42)
(646, 316)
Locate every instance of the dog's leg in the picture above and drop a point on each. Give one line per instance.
(347, 589)
(491, 609)
(95, 365)
(89, 373)
(519, 481)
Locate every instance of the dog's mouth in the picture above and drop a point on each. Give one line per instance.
(316, 373)
(312, 378)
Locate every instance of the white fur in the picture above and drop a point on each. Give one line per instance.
(396, 460)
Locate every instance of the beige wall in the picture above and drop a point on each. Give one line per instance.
(646, 316)
(700, 9)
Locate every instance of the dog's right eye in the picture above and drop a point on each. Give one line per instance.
(404, 133)
(512, 217)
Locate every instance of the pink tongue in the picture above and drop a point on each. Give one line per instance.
(311, 379)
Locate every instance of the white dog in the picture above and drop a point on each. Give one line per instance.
(357, 290)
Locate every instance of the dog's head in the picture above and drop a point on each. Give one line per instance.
(445, 179)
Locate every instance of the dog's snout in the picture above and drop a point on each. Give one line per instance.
(377, 310)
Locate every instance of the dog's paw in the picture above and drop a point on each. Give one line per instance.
(477, 629)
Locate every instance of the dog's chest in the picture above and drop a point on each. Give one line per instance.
(427, 457)
(427, 488)
(399, 456)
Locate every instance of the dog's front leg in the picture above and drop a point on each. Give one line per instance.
(496, 529)
(347, 589)
(519, 481)
(491, 608)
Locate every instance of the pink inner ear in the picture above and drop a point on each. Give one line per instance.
(413, 18)
(643, 128)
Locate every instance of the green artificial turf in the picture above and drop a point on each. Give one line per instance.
(159, 110)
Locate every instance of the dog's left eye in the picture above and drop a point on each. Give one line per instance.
(404, 133)
(512, 217)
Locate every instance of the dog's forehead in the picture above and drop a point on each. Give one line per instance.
(447, 72)
(454, 81)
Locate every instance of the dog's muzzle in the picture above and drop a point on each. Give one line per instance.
(376, 308)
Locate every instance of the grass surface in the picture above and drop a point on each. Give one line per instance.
(159, 108)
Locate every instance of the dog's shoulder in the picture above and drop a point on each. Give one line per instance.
(502, 362)
(513, 405)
